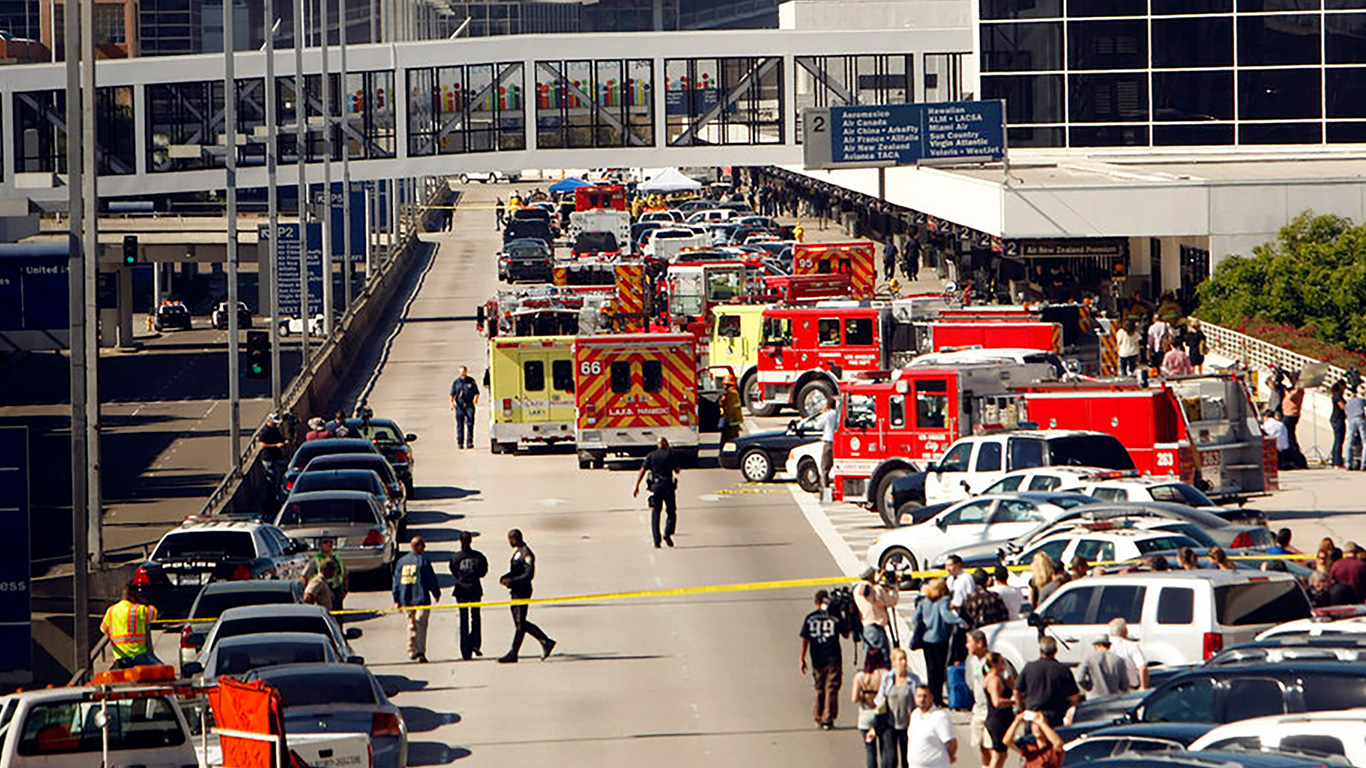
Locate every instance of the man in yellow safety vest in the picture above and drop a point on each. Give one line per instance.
(128, 625)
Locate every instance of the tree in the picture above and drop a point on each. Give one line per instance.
(1312, 276)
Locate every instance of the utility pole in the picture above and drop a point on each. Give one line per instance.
(301, 155)
(91, 220)
(346, 162)
(273, 213)
(80, 449)
(327, 171)
(230, 179)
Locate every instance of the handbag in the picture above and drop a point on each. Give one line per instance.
(918, 634)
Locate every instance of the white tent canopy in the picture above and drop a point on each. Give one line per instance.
(671, 180)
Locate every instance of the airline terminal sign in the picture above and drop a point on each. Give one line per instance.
(904, 134)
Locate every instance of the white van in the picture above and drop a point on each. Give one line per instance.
(1178, 617)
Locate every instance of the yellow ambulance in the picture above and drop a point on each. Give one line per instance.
(531, 391)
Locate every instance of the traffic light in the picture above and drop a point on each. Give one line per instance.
(258, 355)
(130, 250)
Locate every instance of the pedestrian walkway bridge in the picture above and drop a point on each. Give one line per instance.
(442, 108)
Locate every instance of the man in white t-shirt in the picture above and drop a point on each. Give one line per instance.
(930, 742)
(1130, 651)
(1011, 596)
(827, 422)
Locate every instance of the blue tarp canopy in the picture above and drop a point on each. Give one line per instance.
(568, 185)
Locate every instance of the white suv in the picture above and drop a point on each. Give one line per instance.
(1179, 617)
(1320, 733)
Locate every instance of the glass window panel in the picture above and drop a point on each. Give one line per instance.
(1347, 133)
(1029, 47)
(1333, 5)
(1192, 135)
(1345, 38)
(1280, 133)
(1281, 39)
(1193, 96)
(1107, 8)
(1249, 6)
(1197, 42)
(1035, 137)
(1161, 7)
(1108, 136)
(1021, 9)
(1108, 98)
(423, 99)
(1029, 98)
(1107, 44)
(1278, 94)
(736, 100)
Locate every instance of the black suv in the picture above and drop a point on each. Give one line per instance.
(525, 259)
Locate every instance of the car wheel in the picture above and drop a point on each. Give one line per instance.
(756, 466)
(884, 497)
(495, 446)
(813, 396)
(585, 460)
(900, 561)
(753, 397)
(809, 476)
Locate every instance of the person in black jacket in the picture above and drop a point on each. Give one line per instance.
(518, 581)
(468, 566)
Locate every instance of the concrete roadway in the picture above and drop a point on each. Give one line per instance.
(667, 681)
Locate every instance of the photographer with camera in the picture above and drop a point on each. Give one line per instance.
(821, 632)
(874, 595)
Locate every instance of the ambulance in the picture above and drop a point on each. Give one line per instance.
(631, 390)
(531, 391)
(854, 259)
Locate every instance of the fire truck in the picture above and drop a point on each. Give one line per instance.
(599, 232)
(531, 391)
(694, 289)
(1021, 334)
(625, 283)
(855, 259)
(894, 424)
(542, 311)
(631, 390)
(611, 196)
(1202, 429)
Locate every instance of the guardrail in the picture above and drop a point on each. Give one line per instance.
(1254, 353)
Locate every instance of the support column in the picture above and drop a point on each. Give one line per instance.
(125, 335)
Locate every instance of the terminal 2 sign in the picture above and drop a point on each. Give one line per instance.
(904, 134)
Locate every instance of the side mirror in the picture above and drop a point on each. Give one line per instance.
(352, 633)
(191, 668)
(410, 438)
(792, 426)
(355, 659)
(296, 546)
(942, 523)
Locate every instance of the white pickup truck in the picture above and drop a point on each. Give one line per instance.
(65, 728)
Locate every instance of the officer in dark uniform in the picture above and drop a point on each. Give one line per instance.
(518, 581)
(464, 397)
(662, 465)
(468, 566)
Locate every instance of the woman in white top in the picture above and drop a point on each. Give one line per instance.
(1129, 342)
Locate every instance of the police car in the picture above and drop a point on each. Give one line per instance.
(204, 550)
(172, 314)
(221, 317)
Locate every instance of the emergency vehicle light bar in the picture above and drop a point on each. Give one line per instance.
(1112, 474)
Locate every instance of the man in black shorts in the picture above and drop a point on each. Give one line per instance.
(662, 465)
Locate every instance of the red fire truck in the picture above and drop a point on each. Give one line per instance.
(600, 196)
(805, 352)
(855, 259)
(631, 390)
(1021, 334)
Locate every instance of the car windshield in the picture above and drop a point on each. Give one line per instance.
(231, 545)
(1101, 451)
(336, 686)
(341, 511)
(354, 461)
(214, 603)
(376, 431)
(1263, 602)
(315, 448)
(343, 480)
(239, 659)
(1180, 493)
(252, 625)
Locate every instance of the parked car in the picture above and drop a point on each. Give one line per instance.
(1181, 617)
(323, 698)
(219, 596)
(366, 538)
(759, 454)
(980, 519)
(1245, 691)
(172, 314)
(526, 259)
(486, 177)
(317, 326)
(315, 448)
(220, 315)
(367, 480)
(1318, 625)
(202, 550)
(234, 656)
(393, 443)
(1212, 759)
(265, 619)
(1120, 486)
(398, 495)
(1339, 733)
(1141, 738)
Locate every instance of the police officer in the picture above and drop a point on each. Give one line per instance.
(339, 582)
(464, 396)
(663, 467)
(499, 212)
(128, 625)
(468, 566)
(415, 585)
(518, 581)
